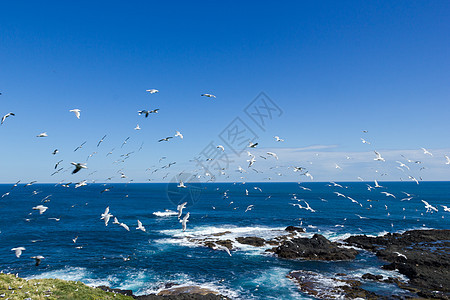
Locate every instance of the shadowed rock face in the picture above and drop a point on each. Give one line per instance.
(421, 255)
(315, 248)
(252, 240)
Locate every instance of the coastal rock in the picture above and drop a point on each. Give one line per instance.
(184, 293)
(252, 240)
(421, 255)
(323, 287)
(294, 229)
(315, 248)
(117, 291)
(369, 276)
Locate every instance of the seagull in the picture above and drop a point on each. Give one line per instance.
(181, 185)
(180, 208)
(401, 255)
(79, 147)
(337, 166)
(56, 166)
(78, 167)
(298, 169)
(377, 185)
(41, 208)
(388, 194)
(43, 134)
(448, 160)
(249, 208)
(76, 111)
(80, 184)
(126, 226)
(6, 116)
(137, 127)
(278, 139)
(154, 111)
(221, 147)
(252, 145)
(378, 158)
(75, 239)
(429, 207)
(18, 251)
(144, 112)
(106, 216)
(184, 221)
(55, 151)
(179, 134)
(101, 140)
(165, 139)
(140, 227)
(307, 174)
(364, 141)
(251, 161)
(38, 259)
(152, 91)
(413, 179)
(116, 221)
(208, 95)
(340, 195)
(335, 184)
(425, 151)
(272, 154)
(56, 219)
(402, 164)
(447, 209)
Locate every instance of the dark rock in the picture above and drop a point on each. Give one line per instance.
(421, 255)
(117, 291)
(225, 243)
(252, 240)
(369, 276)
(315, 248)
(294, 228)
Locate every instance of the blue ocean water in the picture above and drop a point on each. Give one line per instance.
(164, 253)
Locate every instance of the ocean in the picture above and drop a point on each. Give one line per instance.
(145, 261)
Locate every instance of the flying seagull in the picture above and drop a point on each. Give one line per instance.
(38, 259)
(278, 139)
(378, 158)
(180, 208)
(137, 127)
(55, 151)
(140, 227)
(429, 207)
(448, 160)
(76, 111)
(43, 134)
(41, 208)
(101, 141)
(272, 154)
(79, 147)
(179, 134)
(18, 251)
(364, 141)
(184, 221)
(78, 167)
(152, 91)
(208, 95)
(56, 166)
(6, 116)
(165, 139)
(252, 145)
(425, 151)
(106, 216)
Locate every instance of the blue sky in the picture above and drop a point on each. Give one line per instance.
(334, 68)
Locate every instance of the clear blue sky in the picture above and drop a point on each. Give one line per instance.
(335, 68)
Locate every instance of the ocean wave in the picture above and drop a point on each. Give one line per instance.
(166, 213)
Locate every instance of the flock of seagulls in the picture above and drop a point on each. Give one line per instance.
(253, 158)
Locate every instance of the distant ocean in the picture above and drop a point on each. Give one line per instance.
(164, 254)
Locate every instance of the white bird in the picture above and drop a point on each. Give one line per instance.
(116, 221)
(181, 184)
(448, 160)
(307, 174)
(447, 209)
(18, 251)
(75, 239)
(249, 208)
(126, 226)
(78, 167)
(251, 161)
(80, 184)
(401, 255)
(241, 170)
(179, 134)
(364, 141)
(38, 259)
(377, 185)
(278, 139)
(335, 184)
(41, 208)
(76, 111)
(221, 147)
(272, 154)
(413, 179)
(140, 227)
(184, 221)
(429, 207)
(208, 95)
(180, 208)
(152, 91)
(425, 151)
(388, 194)
(106, 216)
(137, 127)
(337, 166)
(6, 116)
(43, 134)
(378, 158)
(223, 248)
(340, 195)
(402, 164)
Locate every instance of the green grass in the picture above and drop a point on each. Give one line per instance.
(43, 289)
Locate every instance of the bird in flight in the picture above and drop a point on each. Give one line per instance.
(278, 139)
(78, 167)
(101, 140)
(55, 151)
(179, 134)
(272, 154)
(76, 111)
(41, 208)
(140, 227)
(425, 151)
(18, 251)
(364, 141)
(184, 221)
(79, 147)
(378, 158)
(137, 127)
(165, 139)
(208, 95)
(43, 134)
(180, 208)
(6, 116)
(252, 145)
(152, 91)
(38, 259)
